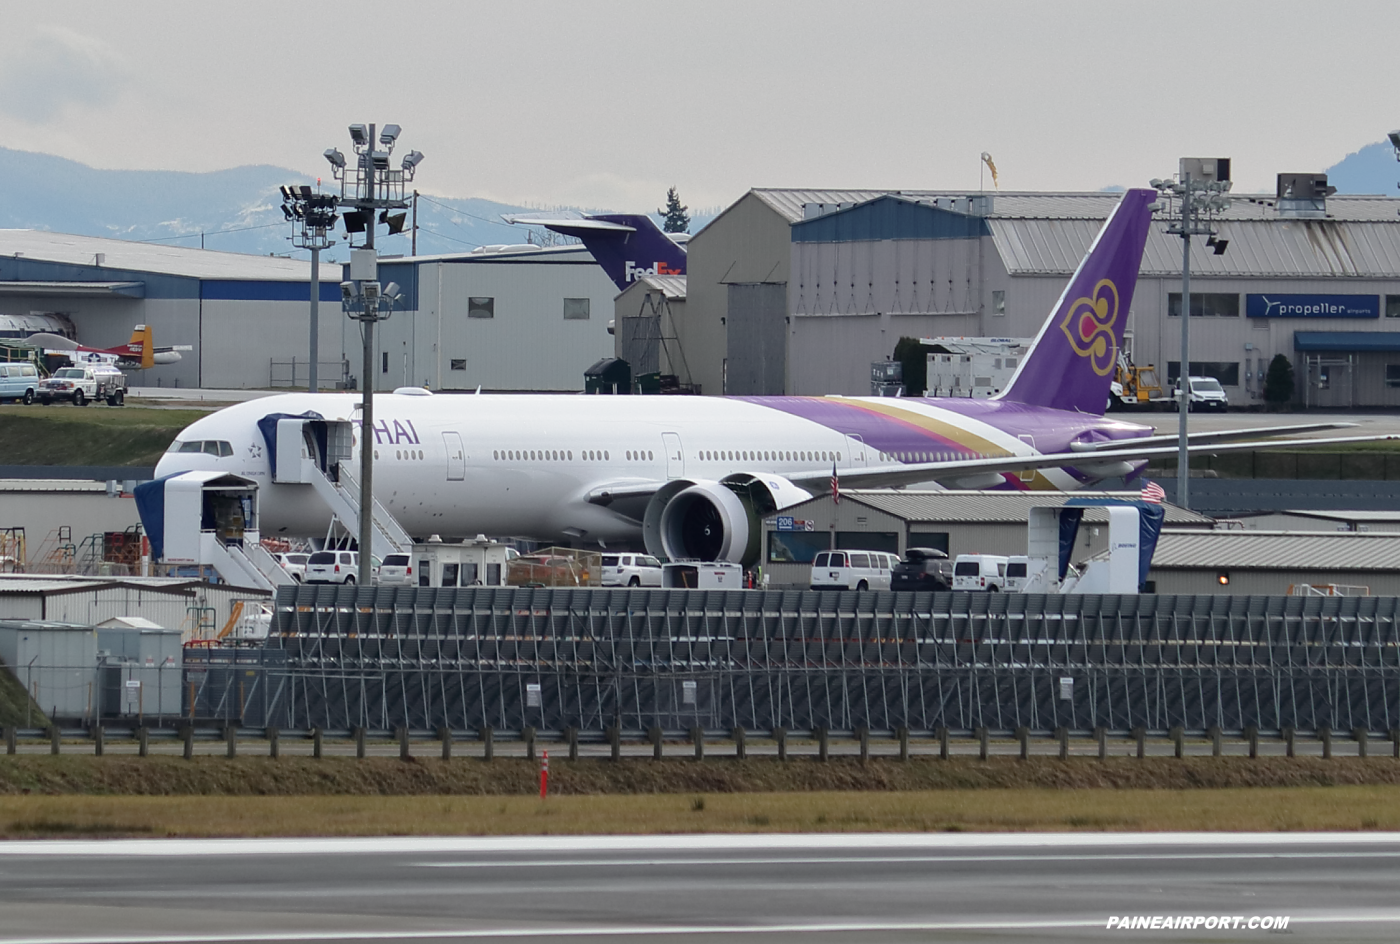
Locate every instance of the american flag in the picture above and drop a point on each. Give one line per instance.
(1152, 492)
(835, 485)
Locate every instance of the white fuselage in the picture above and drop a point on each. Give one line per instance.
(522, 465)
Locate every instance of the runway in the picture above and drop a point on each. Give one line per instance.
(774, 888)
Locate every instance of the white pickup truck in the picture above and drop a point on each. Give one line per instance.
(82, 385)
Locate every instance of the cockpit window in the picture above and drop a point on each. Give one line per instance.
(212, 447)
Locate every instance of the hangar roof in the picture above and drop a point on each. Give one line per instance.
(123, 254)
(1049, 233)
(1277, 550)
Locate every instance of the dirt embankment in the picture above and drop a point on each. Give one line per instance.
(261, 776)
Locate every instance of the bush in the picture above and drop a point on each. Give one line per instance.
(1278, 382)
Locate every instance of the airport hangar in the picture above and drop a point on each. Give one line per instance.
(800, 291)
(502, 317)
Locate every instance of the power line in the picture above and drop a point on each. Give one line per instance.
(191, 236)
(464, 213)
(430, 230)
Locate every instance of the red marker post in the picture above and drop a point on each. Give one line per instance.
(544, 774)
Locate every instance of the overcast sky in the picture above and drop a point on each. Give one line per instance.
(605, 104)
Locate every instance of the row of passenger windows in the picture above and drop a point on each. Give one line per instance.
(744, 455)
(925, 456)
(213, 447)
(402, 453)
(548, 455)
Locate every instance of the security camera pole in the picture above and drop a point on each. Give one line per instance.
(1209, 187)
(369, 186)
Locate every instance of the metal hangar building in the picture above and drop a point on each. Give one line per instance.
(799, 291)
(500, 317)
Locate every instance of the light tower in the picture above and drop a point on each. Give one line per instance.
(369, 185)
(1202, 189)
(312, 216)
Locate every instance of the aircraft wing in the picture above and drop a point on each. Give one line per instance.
(563, 222)
(1217, 436)
(52, 342)
(892, 475)
(174, 347)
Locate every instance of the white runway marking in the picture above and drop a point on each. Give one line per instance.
(697, 842)
(632, 930)
(896, 860)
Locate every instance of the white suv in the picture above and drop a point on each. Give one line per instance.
(333, 567)
(294, 564)
(397, 570)
(631, 570)
(852, 570)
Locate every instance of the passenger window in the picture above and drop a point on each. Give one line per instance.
(449, 575)
(1001, 570)
(493, 575)
(860, 560)
(821, 559)
(469, 575)
(424, 573)
(345, 558)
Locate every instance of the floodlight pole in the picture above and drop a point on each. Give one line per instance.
(315, 346)
(1183, 384)
(367, 390)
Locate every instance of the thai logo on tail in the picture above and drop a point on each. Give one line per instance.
(1089, 327)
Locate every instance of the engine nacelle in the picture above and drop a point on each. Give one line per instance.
(690, 519)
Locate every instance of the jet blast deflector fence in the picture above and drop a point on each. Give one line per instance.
(550, 659)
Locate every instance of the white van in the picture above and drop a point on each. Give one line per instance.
(1017, 573)
(18, 381)
(852, 570)
(980, 572)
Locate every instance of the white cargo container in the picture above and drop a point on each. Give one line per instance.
(702, 575)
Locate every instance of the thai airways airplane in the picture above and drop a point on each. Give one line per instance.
(139, 353)
(692, 477)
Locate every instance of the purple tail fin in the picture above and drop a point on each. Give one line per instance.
(627, 246)
(1070, 365)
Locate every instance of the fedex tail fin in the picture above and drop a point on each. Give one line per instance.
(1070, 365)
(627, 245)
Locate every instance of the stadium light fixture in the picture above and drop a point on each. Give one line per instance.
(358, 135)
(337, 159)
(389, 135)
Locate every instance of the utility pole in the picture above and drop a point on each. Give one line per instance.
(414, 238)
(1183, 383)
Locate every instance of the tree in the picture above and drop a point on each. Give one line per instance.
(1278, 382)
(676, 219)
(914, 356)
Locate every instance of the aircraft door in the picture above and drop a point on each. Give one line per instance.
(857, 449)
(675, 455)
(1027, 475)
(456, 457)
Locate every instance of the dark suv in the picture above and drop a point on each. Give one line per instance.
(923, 568)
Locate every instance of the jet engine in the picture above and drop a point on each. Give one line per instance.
(689, 519)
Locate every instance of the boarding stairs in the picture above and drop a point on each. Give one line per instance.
(317, 452)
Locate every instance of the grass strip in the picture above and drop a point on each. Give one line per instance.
(89, 435)
(1344, 808)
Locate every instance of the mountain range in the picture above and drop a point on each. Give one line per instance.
(235, 210)
(239, 209)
